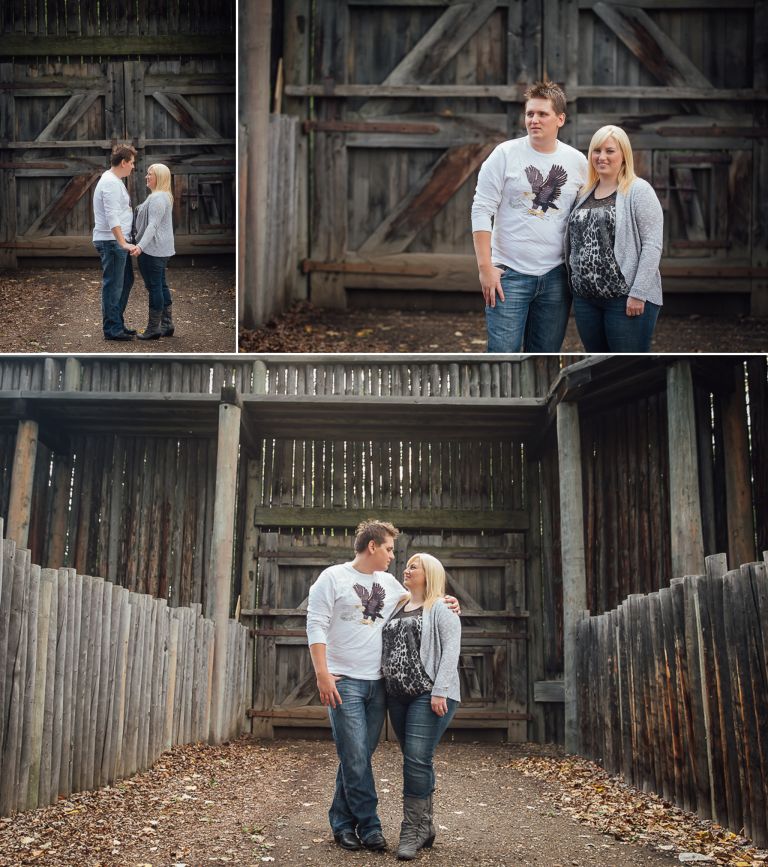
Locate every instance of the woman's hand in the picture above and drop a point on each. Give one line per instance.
(439, 705)
(635, 306)
(136, 251)
(490, 283)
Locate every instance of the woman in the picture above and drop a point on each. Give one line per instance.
(613, 247)
(420, 658)
(154, 246)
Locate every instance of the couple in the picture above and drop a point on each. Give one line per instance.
(543, 215)
(361, 624)
(119, 235)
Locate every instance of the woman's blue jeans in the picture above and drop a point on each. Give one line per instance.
(153, 271)
(418, 729)
(356, 726)
(533, 315)
(604, 326)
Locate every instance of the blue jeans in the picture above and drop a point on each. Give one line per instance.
(533, 315)
(418, 729)
(116, 285)
(153, 271)
(356, 726)
(605, 327)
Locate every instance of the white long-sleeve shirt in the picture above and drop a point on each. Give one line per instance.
(111, 207)
(346, 611)
(524, 197)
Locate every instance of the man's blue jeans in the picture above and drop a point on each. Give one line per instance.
(116, 285)
(533, 315)
(605, 327)
(153, 272)
(418, 729)
(356, 726)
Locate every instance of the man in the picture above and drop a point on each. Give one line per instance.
(525, 191)
(347, 607)
(111, 233)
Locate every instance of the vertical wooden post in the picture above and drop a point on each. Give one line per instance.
(686, 537)
(7, 176)
(572, 551)
(20, 502)
(255, 54)
(759, 296)
(72, 368)
(738, 485)
(221, 549)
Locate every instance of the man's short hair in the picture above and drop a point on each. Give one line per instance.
(373, 531)
(122, 152)
(547, 90)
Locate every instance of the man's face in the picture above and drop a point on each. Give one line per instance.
(382, 554)
(541, 121)
(127, 166)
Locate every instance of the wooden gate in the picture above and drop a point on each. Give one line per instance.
(485, 572)
(79, 78)
(411, 98)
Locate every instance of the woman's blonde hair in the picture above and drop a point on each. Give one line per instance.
(163, 178)
(435, 575)
(627, 171)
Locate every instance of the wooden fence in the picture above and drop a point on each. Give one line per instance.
(96, 681)
(673, 693)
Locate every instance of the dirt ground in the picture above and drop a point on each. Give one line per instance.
(306, 329)
(253, 802)
(59, 310)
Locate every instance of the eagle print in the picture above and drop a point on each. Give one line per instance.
(546, 192)
(373, 601)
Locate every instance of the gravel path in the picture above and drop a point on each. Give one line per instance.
(252, 802)
(59, 310)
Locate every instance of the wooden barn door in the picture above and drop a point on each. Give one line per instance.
(486, 573)
(76, 81)
(409, 99)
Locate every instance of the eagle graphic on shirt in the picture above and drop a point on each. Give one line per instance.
(546, 192)
(373, 601)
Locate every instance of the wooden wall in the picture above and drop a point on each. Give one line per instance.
(672, 693)
(96, 681)
(399, 127)
(78, 78)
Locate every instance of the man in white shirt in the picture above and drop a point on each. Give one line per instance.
(113, 222)
(524, 195)
(347, 608)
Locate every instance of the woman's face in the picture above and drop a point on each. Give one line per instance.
(607, 158)
(414, 577)
(151, 179)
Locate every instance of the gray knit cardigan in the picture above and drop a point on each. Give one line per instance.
(154, 226)
(440, 646)
(639, 239)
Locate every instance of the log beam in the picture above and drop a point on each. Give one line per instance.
(22, 479)
(220, 567)
(686, 536)
(572, 548)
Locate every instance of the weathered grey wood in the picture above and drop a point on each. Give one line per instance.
(48, 46)
(685, 516)
(221, 550)
(572, 552)
(37, 775)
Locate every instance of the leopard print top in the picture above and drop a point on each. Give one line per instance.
(404, 674)
(594, 270)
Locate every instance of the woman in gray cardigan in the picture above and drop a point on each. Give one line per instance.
(154, 246)
(613, 248)
(420, 659)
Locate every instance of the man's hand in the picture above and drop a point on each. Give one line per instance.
(326, 686)
(129, 247)
(453, 603)
(439, 705)
(490, 283)
(136, 250)
(635, 306)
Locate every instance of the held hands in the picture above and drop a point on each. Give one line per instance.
(635, 306)
(326, 686)
(130, 248)
(490, 283)
(439, 705)
(136, 250)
